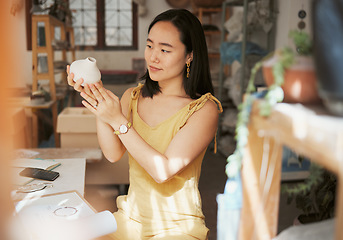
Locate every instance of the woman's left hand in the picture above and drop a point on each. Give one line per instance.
(107, 106)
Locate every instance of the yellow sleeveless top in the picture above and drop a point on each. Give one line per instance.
(175, 204)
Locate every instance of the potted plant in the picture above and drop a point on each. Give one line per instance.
(315, 196)
(60, 9)
(294, 71)
(286, 81)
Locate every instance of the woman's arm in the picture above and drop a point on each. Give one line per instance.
(187, 144)
(110, 144)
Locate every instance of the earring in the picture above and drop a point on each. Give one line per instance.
(188, 69)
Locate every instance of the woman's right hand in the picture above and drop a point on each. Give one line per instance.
(77, 85)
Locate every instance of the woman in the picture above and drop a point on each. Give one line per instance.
(165, 125)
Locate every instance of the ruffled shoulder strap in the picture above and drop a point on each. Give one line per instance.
(134, 96)
(198, 104)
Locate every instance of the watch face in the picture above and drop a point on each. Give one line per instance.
(123, 129)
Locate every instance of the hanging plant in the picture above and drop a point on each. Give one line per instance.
(285, 58)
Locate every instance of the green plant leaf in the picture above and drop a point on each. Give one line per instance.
(233, 166)
(275, 95)
(302, 42)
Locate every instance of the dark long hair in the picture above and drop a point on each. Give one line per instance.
(193, 37)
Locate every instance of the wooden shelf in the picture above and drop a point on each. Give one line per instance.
(212, 32)
(308, 130)
(236, 2)
(205, 17)
(50, 23)
(44, 105)
(214, 55)
(201, 10)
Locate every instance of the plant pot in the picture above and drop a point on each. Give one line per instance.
(300, 82)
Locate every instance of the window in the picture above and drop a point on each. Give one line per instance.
(84, 22)
(104, 24)
(98, 24)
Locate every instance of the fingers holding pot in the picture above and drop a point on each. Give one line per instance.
(70, 77)
(96, 93)
(90, 100)
(77, 85)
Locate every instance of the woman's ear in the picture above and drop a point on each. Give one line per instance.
(189, 57)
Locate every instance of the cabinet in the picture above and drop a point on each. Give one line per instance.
(309, 131)
(44, 47)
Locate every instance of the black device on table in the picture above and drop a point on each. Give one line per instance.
(39, 173)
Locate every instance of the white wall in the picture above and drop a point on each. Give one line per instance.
(116, 60)
(24, 73)
(288, 20)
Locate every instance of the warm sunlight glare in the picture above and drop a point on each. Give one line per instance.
(160, 167)
(256, 203)
(296, 89)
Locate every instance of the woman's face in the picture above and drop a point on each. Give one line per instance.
(165, 54)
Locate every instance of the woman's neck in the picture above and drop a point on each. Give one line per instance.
(173, 89)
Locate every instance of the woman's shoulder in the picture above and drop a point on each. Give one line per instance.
(132, 92)
(204, 111)
(129, 95)
(207, 102)
(209, 108)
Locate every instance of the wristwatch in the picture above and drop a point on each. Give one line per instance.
(123, 129)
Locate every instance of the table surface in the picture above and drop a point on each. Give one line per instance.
(91, 154)
(72, 177)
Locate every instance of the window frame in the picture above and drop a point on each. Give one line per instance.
(101, 38)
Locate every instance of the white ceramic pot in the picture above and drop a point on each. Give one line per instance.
(86, 69)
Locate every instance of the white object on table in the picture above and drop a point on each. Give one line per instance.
(65, 216)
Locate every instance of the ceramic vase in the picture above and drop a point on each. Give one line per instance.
(86, 69)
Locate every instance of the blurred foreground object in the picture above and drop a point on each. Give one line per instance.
(328, 52)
